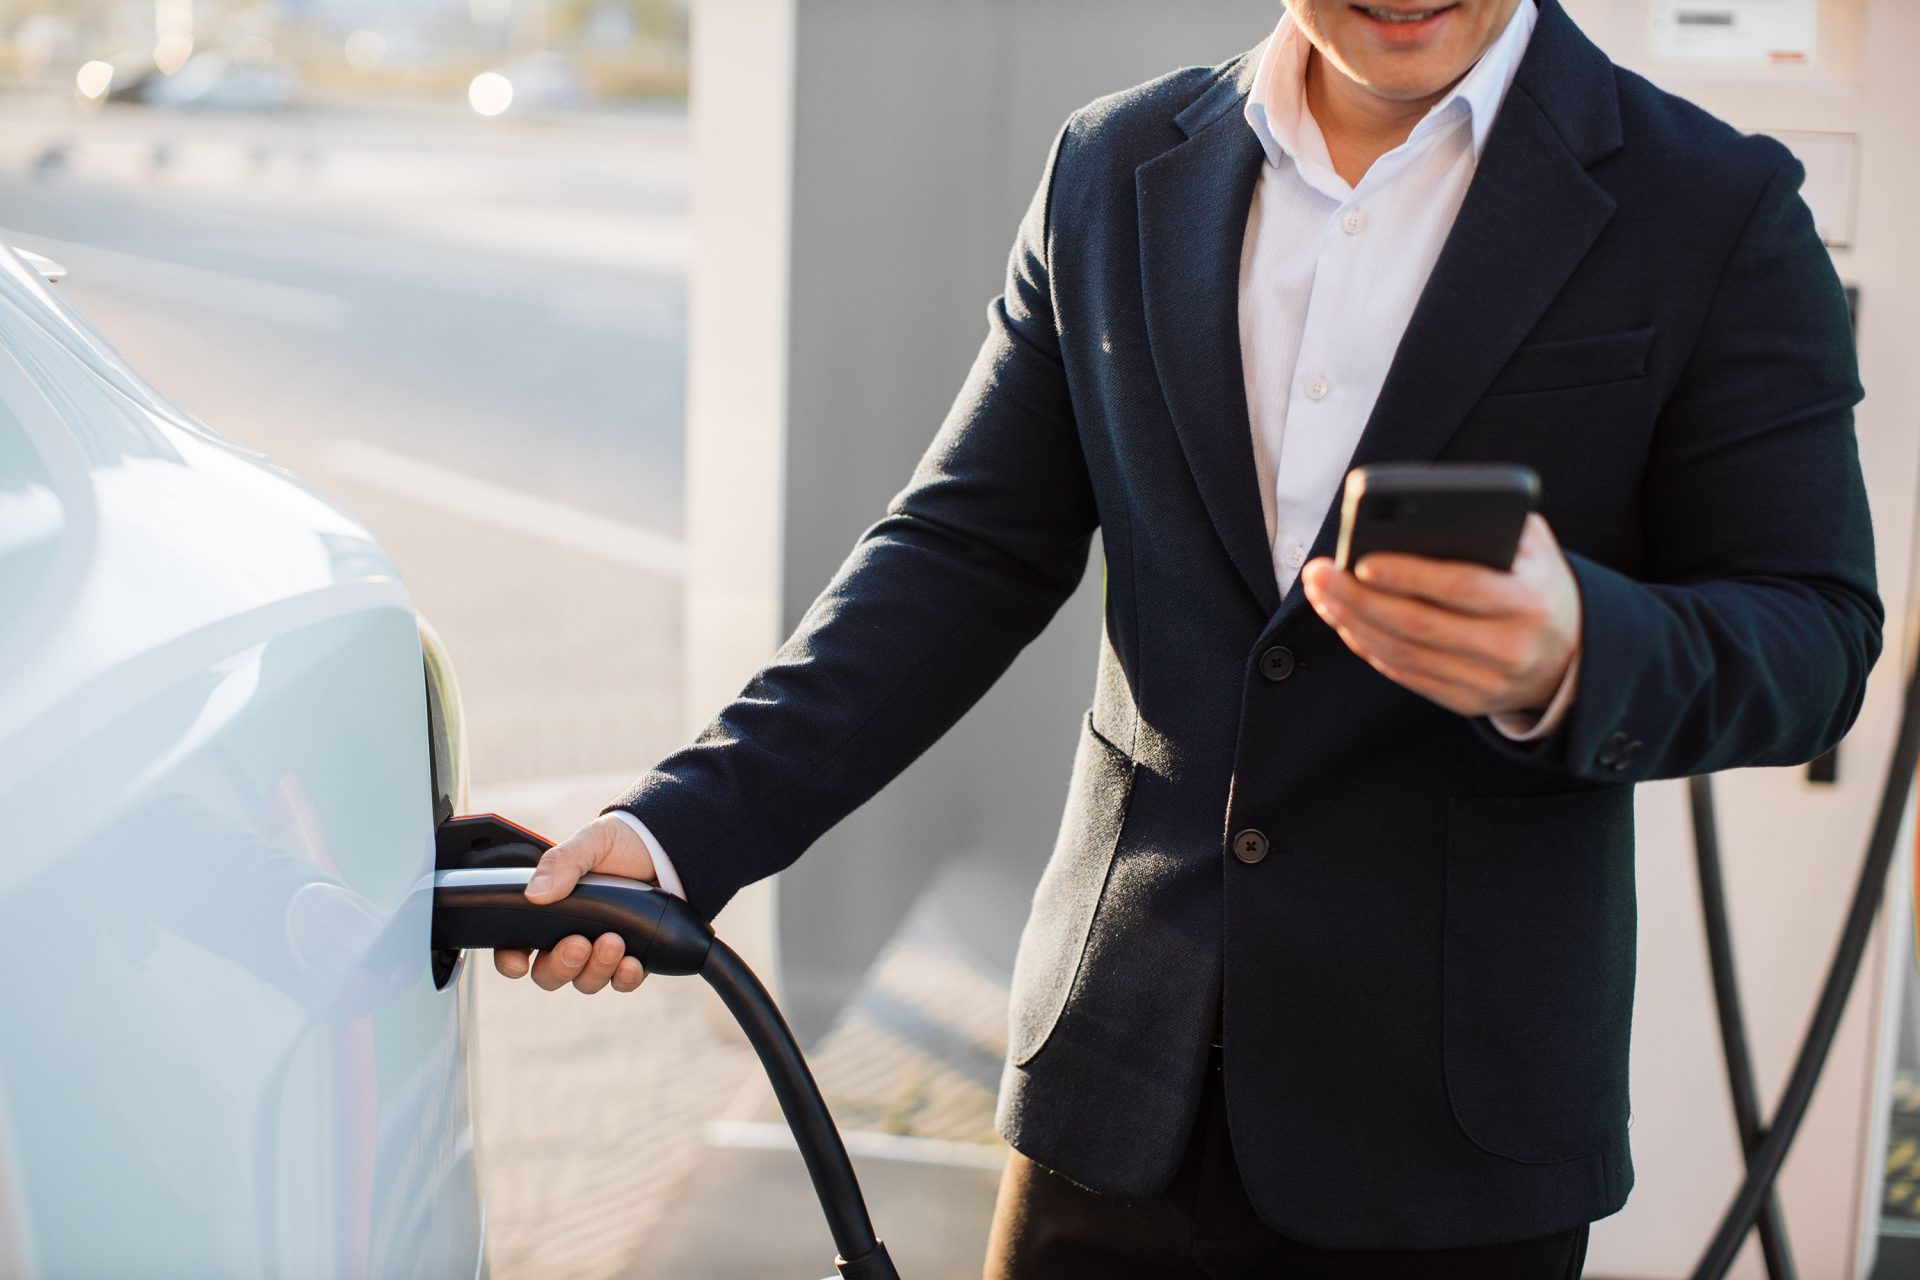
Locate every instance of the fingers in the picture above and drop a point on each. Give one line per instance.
(561, 867)
(606, 845)
(1456, 682)
(590, 967)
(1503, 642)
(556, 968)
(1409, 631)
(1442, 657)
(629, 975)
(1537, 540)
(1458, 585)
(608, 951)
(1414, 621)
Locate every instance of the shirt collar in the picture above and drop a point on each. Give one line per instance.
(1277, 109)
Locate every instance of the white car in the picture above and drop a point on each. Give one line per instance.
(225, 744)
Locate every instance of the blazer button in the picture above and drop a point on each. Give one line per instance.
(1612, 751)
(1250, 846)
(1276, 664)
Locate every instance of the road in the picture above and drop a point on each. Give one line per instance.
(472, 337)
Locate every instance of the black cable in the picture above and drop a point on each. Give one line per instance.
(1764, 1167)
(861, 1255)
(1733, 1020)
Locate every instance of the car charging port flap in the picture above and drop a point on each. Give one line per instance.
(485, 840)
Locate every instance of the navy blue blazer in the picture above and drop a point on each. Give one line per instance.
(1427, 959)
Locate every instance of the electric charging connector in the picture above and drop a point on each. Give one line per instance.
(486, 907)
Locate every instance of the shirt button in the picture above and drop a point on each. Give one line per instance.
(1250, 846)
(1297, 556)
(1317, 389)
(1276, 664)
(1353, 220)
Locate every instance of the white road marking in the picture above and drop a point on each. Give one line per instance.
(174, 282)
(482, 501)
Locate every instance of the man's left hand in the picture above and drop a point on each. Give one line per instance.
(1475, 640)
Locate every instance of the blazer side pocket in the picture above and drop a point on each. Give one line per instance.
(1538, 971)
(1574, 362)
(1069, 892)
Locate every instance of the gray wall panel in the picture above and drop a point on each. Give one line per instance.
(920, 130)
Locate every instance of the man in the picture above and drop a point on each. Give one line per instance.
(1331, 971)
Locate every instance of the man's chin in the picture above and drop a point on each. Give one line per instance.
(1411, 94)
(1403, 84)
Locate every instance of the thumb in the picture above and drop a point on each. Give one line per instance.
(606, 845)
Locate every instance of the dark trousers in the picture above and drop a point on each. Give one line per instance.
(1203, 1228)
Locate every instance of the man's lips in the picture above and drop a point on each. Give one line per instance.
(1395, 24)
(1388, 13)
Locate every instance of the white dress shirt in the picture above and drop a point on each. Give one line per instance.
(663, 873)
(1329, 275)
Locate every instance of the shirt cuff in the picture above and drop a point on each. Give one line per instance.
(663, 873)
(1523, 726)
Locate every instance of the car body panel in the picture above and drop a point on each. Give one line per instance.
(223, 1052)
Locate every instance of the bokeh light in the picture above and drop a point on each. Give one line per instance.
(253, 51)
(490, 93)
(365, 49)
(171, 51)
(94, 79)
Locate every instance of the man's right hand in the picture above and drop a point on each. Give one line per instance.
(611, 847)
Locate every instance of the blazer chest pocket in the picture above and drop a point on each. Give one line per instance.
(1568, 363)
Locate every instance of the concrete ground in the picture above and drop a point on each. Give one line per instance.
(635, 1136)
(747, 1215)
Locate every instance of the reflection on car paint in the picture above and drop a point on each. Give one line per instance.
(215, 780)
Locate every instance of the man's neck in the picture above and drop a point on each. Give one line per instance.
(1359, 125)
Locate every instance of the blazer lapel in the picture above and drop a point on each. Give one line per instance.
(1193, 205)
(1529, 217)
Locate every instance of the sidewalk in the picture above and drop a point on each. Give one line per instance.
(635, 1137)
(750, 1215)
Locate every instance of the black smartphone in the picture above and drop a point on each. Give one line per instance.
(1448, 510)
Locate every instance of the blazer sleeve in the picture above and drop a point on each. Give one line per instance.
(1750, 640)
(970, 561)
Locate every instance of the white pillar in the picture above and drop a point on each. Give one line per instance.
(741, 117)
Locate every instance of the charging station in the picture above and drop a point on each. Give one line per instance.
(1836, 81)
